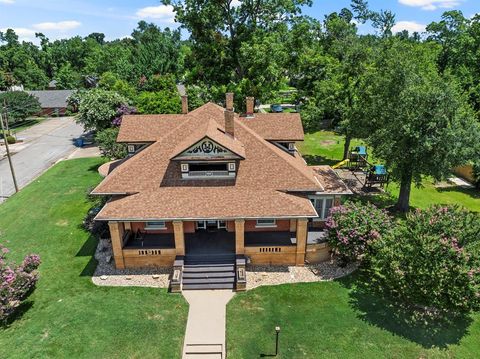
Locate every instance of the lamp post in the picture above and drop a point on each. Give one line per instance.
(277, 331)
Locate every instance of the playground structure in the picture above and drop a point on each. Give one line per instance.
(357, 162)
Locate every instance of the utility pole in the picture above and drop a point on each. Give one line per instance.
(8, 153)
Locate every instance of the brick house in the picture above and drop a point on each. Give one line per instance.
(212, 186)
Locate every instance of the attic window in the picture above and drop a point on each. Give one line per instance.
(198, 167)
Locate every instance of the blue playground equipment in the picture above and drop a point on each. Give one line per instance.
(377, 174)
(358, 157)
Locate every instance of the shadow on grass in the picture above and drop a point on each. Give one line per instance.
(472, 192)
(315, 160)
(18, 314)
(385, 312)
(88, 250)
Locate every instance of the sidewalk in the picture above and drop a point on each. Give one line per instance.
(205, 333)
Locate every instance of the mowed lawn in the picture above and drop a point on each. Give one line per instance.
(326, 147)
(68, 316)
(340, 319)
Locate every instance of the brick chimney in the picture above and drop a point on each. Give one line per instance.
(184, 104)
(229, 123)
(229, 101)
(250, 105)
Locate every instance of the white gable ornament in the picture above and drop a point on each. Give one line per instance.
(206, 149)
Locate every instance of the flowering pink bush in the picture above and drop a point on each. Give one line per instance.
(353, 227)
(432, 259)
(16, 282)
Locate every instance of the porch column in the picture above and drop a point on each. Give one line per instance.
(240, 236)
(179, 238)
(116, 234)
(301, 241)
(127, 225)
(293, 225)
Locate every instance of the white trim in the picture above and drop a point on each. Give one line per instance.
(323, 208)
(272, 224)
(160, 226)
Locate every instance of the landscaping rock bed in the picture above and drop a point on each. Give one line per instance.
(274, 275)
(107, 275)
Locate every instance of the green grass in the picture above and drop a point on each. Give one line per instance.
(340, 319)
(23, 125)
(325, 147)
(68, 316)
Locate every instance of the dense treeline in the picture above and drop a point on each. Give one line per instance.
(405, 95)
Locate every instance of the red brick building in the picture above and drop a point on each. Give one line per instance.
(213, 186)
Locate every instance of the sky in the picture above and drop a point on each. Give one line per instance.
(117, 18)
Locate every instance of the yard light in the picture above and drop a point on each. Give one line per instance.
(277, 331)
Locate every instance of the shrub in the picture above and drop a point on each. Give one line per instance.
(98, 108)
(11, 140)
(20, 105)
(16, 282)
(107, 141)
(353, 227)
(432, 260)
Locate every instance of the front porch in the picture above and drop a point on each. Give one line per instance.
(288, 242)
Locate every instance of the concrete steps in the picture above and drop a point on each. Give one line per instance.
(203, 351)
(214, 272)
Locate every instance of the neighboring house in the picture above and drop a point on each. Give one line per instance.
(52, 102)
(212, 186)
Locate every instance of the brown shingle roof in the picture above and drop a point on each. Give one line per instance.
(330, 180)
(264, 177)
(215, 132)
(276, 126)
(190, 203)
(147, 128)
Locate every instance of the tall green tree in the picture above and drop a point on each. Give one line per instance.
(221, 32)
(419, 121)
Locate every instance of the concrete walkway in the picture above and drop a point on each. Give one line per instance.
(205, 333)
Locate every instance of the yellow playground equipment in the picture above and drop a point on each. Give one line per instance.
(341, 164)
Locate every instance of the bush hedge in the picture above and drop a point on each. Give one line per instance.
(16, 282)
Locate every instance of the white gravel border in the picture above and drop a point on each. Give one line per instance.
(107, 275)
(274, 275)
(257, 275)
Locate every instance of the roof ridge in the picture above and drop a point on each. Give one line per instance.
(280, 153)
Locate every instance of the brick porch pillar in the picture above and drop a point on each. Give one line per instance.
(116, 234)
(179, 238)
(240, 236)
(301, 241)
(293, 225)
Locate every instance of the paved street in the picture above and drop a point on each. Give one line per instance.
(44, 144)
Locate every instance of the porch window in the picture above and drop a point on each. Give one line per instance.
(201, 225)
(322, 206)
(155, 225)
(222, 224)
(270, 222)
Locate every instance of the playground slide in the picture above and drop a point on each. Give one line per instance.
(340, 164)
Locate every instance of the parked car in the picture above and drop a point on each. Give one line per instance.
(276, 108)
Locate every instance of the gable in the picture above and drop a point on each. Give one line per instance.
(207, 149)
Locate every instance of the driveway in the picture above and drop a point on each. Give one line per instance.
(44, 144)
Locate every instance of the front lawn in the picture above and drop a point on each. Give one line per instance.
(68, 316)
(326, 147)
(340, 319)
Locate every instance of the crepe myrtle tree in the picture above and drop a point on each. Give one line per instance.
(418, 121)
